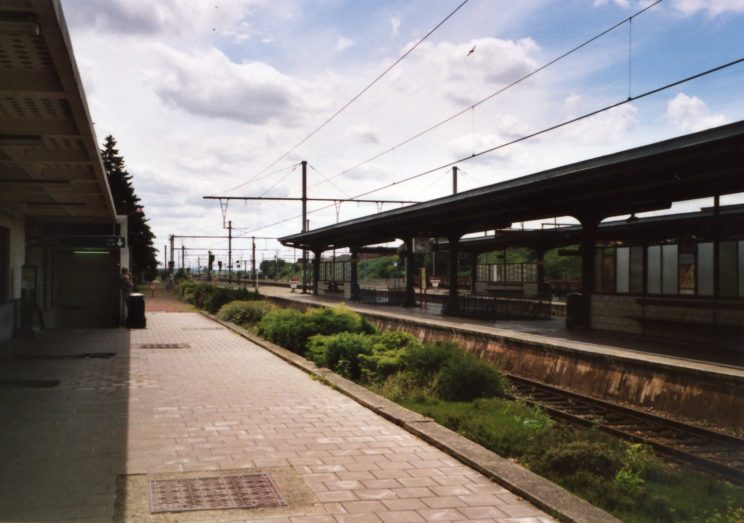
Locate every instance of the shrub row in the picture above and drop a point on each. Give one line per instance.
(211, 298)
(291, 329)
(346, 343)
(245, 313)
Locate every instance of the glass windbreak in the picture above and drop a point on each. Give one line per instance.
(653, 269)
(727, 268)
(705, 269)
(623, 269)
(669, 261)
(687, 264)
(636, 270)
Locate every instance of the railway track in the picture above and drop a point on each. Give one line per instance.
(715, 452)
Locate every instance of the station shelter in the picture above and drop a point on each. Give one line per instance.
(61, 243)
(679, 274)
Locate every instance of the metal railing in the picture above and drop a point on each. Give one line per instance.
(372, 296)
(497, 308)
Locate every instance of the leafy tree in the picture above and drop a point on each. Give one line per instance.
(140, 237)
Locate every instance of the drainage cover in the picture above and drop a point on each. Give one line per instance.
(225, 492)
(201, 328)
(164, 346)
(28, 384)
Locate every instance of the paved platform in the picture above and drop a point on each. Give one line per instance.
(82, 450)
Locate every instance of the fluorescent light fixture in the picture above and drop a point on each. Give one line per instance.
(91, 252)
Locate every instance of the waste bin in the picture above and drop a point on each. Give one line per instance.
(576, 311)
(136, 311)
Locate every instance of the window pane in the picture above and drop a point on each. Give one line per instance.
(623, 269)
(705, 269)
(727, 284)
(687, 268)
(654, 269)
(597, 270)
(636, 270)
(669, 269)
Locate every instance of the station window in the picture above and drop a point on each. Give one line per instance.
(727, 269)
(705, 268)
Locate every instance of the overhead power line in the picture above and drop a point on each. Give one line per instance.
(532, 135)
(358, 95)
(496, 93)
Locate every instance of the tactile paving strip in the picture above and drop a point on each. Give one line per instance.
(216, 493)
(164, 346)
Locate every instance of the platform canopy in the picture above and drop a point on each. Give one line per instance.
(647, 178)
(50, 165)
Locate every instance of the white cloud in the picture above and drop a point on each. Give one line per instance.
(572, 102)
(344, 43)
(621, 3)
(395, 24)
(160, 16)
(363, 134)
(207, 83)
(690, 113)
(709, 7)
(609, 126)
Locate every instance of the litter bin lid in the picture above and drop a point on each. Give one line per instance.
(136, 295)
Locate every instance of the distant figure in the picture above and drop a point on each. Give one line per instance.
(125, 282)
(126, 285)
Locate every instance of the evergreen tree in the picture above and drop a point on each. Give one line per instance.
(140, 237)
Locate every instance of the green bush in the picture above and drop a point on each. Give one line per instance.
(387, 357)
(291, 329)
(286, 327)
(216, 297)
(243, 312)
(332, 320)
(428, 359)
(340, 352)
(465, 378)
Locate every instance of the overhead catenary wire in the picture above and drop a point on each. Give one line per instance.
(360, 93)
(532, 135)
(499, 91)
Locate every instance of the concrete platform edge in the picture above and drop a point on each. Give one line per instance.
(539, 491)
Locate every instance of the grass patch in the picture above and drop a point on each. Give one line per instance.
(623, 478)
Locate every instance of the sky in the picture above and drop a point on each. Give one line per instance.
(211, 98)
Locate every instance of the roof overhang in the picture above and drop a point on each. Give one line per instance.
(50, 166)
(647, 178)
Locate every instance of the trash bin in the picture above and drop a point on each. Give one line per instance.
(136, 311)
(576, 311)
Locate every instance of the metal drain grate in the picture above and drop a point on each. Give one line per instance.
(164, 346)
(217, 493)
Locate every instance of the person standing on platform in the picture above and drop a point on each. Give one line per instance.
(126, 285)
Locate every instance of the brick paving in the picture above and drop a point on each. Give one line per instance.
(222, 404)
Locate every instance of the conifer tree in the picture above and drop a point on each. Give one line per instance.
(140, 237)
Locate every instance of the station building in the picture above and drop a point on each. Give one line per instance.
(61, 243)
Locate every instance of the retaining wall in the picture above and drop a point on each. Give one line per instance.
(695, 391)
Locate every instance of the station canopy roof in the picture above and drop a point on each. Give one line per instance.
(50, 167)
(647, 178)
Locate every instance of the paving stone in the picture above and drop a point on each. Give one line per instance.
(222, 404)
